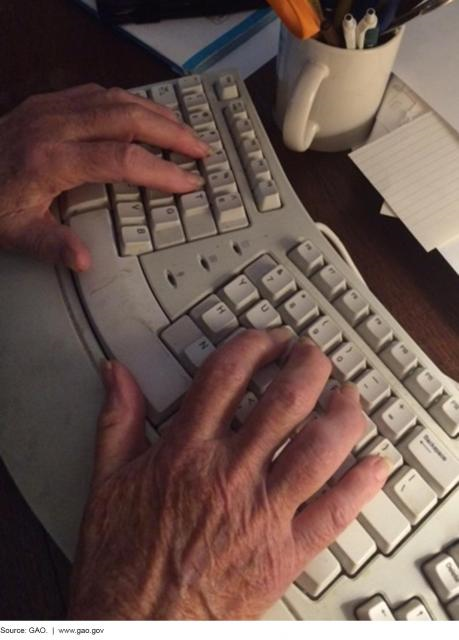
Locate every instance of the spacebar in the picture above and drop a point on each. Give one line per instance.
(126, 315)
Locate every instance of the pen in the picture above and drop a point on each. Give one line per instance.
(368, 22)
(349, 27)
(387, 10)
(299, 16)
(342, 7)
(360, 7)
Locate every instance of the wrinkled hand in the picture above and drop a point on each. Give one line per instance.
(203, 525)
(54, 142)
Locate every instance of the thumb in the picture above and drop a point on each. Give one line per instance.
(47, 239)
(120, 435)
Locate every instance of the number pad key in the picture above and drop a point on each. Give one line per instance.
(325, 333)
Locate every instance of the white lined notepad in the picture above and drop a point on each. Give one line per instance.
(416, 170)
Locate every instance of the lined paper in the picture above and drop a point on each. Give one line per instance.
(416, 170)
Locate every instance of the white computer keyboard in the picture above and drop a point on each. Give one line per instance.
(174, 276)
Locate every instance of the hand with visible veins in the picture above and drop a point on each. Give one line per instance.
(204, 525)
(54, 142)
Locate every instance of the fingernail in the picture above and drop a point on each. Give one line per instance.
(383, 468)
(282, 333)
(195, 180)
(202, 147)
(106, 367)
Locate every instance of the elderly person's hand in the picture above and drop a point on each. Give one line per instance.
(204, 525)
(54, 142)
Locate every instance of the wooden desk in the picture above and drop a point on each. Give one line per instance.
(53, 44)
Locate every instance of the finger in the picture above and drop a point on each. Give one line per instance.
(120, 162)
(57, 97)
(317, 451)
(287, 401)
(116, 95)
(131, 122)
(47, 240)
(223, 379)
(120, 435)
(320, 522)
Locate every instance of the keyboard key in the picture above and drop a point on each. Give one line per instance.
(348, 361)
(348, 463)
(201, 121)
(197, 353)
(86, 197)
(446, 413)
(307, 258)
(267, 196)
(325, 333)
(123, 192)
(394, 419)
(352, 306)
(166, 227)
(135, 240)
(184, 162)
(329, 281)
(412, 611)
(436, 464)
(190, 85)
(212, 138)
(155, 198)
(324, 397)
(258, 170)
(263, 378)
(180, 334)
(261, 316)
(373, 390)
(260, 268)
(196, 215)
(411, 494)
(375, 609)
(277, 285)
(235, 109)
(242, 129)
(443, 573)
(353, 547)
(226, 87)
(215, 162)
(382, 447)
(164, 94)
(424, 386)
(249, 150)
(130, 213)
(245, 407)
(384, 522)
(453, 609)
(229, 212)
(194, 102)
(218, 322)
(239, 294)
(319, 574)
(376, 332)
(368, 435)
(299, 310)
(221, 182)
(399, 359)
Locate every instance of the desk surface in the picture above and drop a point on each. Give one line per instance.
(52, 44)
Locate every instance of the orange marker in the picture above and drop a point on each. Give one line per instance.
(299, 16)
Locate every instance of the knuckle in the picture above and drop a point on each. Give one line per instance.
(133, 111)
(116, 94)
(339, 518)
(288, 398)
(109, 419)
(126, 157)
(222, 367)
(36, 158)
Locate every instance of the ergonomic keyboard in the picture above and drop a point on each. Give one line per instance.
(174, 276)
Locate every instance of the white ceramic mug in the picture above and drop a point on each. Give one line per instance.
(327, 97)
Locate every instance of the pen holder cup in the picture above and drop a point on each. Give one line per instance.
(327, 96)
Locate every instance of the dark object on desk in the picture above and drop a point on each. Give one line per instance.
(122, 11)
